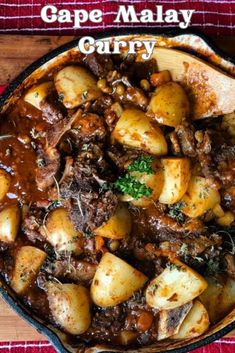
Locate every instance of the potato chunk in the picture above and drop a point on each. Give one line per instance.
(199, 198)
(136, 130)
(9, 223)
(169, 105)
(5, 181)
(60, 231)
(27, 263)
(175, 286)
(195, 323)
(36, 94)
(76, 85)
(70, 306)
(115, 281)
(118, 226)
(176, 179)
(219, 297)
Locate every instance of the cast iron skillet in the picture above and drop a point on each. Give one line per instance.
(5, 291)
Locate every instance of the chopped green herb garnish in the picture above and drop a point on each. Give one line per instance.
(175, 212)
(143, 164)
(36, 94)
(131, 186)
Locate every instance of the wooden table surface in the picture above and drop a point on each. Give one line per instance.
(16, 53)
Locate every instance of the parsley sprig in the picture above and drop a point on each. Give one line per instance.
(143, 164)
(128, 184)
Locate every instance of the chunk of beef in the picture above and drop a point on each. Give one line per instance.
(55, 133)
(138, 71)
(48, 162)
(216, 153)
(72, 269)
(155, 226)
(52, 109)
(25, 109)
(187, 141)
(88, 128)
(101, 104)
(92, 209)
(91, 163)
(31, 224)
(120, 155)
(36, 298)
(204, 152)
(99, 64)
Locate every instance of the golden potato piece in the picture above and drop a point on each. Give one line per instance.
(9, 223)
(176, 179)
(115, 281)
(219, 297)
(70, 306)
(36, 94)
(5, 181)
(76, 85)
(136, 130)
(169, 105)
(27, 263)
(199, 198)
(175, 286)
(118, 226)
(196, 322)
(60, 231)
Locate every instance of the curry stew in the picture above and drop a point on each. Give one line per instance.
(116, 208)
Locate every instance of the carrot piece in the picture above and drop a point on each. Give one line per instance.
(145, 321)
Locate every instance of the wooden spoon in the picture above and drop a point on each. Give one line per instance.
(212, 91)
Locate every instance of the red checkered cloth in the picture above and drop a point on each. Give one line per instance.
(226, 345)
(213, 17)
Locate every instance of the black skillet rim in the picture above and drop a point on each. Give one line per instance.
(40, 327)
